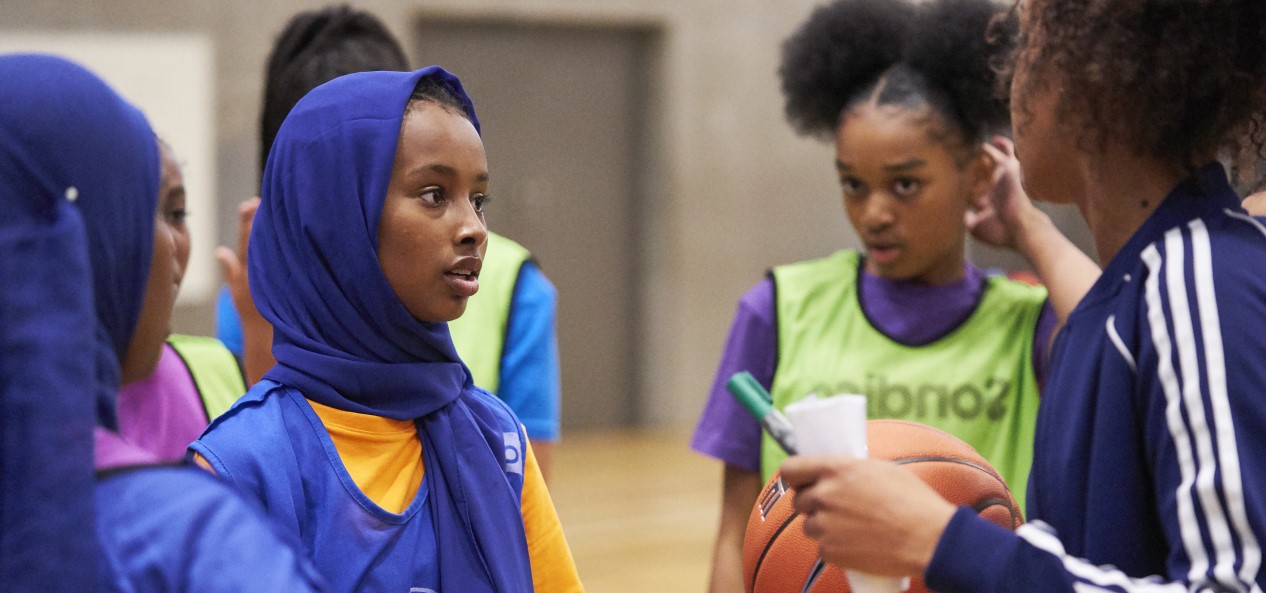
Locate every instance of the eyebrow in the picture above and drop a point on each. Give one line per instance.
(444, 170)
(914, 163)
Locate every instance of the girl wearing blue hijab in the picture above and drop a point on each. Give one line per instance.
(89, 263)
(368, 439)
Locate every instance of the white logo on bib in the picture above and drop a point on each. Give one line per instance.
(514, 453)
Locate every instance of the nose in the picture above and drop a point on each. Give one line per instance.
(472, 229)
(878, 213)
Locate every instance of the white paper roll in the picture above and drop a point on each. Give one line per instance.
(836, 425)
(830, 425)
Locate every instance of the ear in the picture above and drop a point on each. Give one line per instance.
(980, 173)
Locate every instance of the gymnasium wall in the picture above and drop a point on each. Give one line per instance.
(741, 192)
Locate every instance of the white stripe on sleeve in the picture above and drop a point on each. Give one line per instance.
(1189, 528)
(1215, 365)
(1095, 578)
(1193, 399)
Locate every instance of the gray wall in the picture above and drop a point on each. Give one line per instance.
(742, 191)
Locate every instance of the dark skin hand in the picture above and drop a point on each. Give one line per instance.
(868, 515)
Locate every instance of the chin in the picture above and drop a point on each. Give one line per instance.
(448, 312)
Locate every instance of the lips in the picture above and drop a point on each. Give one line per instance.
(463, 276)
(883, 253)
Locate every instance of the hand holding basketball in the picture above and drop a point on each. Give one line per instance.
(868, 514)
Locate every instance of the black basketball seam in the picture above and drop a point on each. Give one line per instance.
(991, 473)
(819, 567)
(997, 501)
(769, 544)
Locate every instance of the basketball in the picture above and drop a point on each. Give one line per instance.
(779, 558)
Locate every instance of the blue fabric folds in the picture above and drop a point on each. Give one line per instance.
(67, 143)
(343, 339)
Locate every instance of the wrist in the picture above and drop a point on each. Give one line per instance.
(1032, 232)
(928, 537)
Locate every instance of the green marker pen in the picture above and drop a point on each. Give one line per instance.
(744, 387)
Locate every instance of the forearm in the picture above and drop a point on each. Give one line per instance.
(257, 344)
(741, 489)
(1066, 271)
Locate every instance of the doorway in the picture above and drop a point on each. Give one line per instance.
(565, 118)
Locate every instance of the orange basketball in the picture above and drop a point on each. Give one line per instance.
(779, 558)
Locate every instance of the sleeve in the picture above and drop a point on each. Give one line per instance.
(529, 381)
(725, 430)
(553, 568)
(228, 326)
(1198, 388)
(169, 529)
(1047, 320)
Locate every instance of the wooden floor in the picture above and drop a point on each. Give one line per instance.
(639, 510)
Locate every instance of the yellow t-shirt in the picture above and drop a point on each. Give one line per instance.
(384, 458)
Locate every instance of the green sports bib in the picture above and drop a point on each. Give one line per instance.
(976, 382)
(480, 333)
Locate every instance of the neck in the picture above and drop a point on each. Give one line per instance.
(1119, 193)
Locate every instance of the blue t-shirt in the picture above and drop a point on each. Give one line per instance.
(529, 381)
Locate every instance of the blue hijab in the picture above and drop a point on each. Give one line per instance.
(343, 339)
(78, 192)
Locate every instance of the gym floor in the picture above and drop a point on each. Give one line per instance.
(639, 508)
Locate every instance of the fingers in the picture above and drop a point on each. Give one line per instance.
(245, 218)
(230, 265)
(800, 471)
(1002, 144)
(246, 209)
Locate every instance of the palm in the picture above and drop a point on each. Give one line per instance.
(995, 216)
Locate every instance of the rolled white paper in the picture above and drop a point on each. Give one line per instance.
(837, 426)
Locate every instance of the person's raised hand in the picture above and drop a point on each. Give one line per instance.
(233, 263)
(997, 217)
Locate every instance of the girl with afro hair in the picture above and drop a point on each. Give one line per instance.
(1146, 471)
(907, 94)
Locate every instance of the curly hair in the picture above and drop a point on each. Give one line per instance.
(314, 48)
(1176, 79)
(939, 53)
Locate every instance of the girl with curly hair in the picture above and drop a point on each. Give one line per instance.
(907, 95)
(1142, 478)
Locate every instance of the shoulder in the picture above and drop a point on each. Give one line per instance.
(1007, 290)
(490, 409)
(255, 424)
(253, 408)
(533, 286)
(1219, 258)
(184, 341)
(843, 261)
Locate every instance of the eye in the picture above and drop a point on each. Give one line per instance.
(852, 187)
(177, 216)
(906, 187)
(432, 196)
(481, 202)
